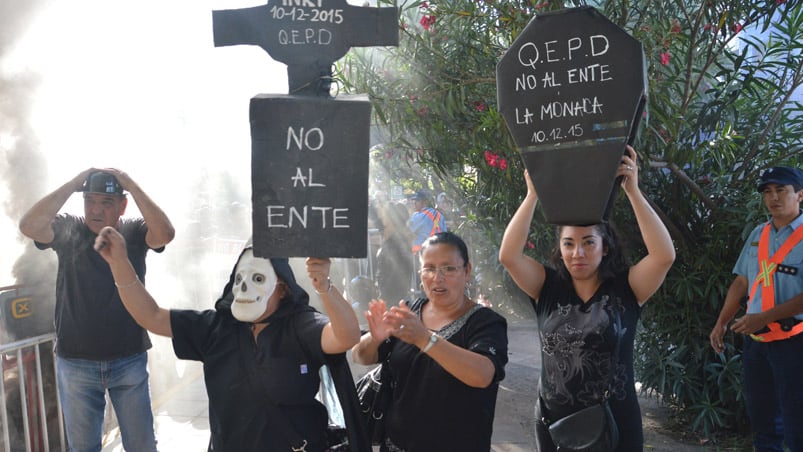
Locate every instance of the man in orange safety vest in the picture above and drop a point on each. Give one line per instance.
(426, 220)
(769, 273)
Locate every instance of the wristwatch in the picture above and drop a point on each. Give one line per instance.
(433, 338)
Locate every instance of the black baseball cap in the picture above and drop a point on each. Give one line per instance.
(101, 182)
(782, 175)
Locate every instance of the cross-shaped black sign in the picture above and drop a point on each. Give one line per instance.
(307, 35)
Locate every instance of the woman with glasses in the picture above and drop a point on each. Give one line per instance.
(588, 303)
(446, 355)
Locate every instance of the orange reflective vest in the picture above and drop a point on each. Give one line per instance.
(765, 277)
(436, 225)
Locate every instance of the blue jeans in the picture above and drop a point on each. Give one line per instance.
(773, 378)
(82, 388)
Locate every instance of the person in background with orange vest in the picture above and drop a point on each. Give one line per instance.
(769, 273)
(425, 220)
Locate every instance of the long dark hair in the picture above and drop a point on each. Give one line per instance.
(447, 238)
(612, 262)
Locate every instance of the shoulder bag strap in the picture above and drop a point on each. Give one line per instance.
(617, 321)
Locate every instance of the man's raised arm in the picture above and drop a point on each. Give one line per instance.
(160, 229)
(36, 222)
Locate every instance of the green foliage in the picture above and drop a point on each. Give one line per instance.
(720, 111)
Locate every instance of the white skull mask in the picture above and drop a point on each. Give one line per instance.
(254, 283)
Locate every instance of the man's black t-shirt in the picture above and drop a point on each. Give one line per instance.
(91, 321)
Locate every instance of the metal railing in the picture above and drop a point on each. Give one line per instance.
(22, 361)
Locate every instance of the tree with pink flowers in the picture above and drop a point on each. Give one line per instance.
(724, 104)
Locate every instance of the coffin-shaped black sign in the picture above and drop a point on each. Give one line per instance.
(309, 175)
(572, 89)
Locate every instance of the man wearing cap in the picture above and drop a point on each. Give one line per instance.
(425, 221)
(769, 274)
(99, 347)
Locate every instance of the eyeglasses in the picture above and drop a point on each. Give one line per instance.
(447, 271)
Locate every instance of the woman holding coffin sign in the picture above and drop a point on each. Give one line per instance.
(446, 355)
(262, 347)
(587, 305)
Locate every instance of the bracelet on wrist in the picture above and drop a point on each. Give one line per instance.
(125, 286)
(328, 287)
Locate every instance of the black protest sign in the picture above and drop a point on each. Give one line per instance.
(570, 185)
(309, 175)
(306, 35)
(571, 76)
(573, 86)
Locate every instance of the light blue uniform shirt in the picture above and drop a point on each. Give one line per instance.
(786, 285)
(421, 224)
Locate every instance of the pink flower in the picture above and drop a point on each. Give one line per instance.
(480, 106)
(495, 160)
(676, 26)
(530, 245)
(422, 111)
(780, 2)
(427, 22)
(737, 28)
(665, 58)
(491, 159)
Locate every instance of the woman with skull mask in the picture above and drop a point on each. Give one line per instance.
(262, 347)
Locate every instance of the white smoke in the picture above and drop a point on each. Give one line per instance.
(138, 86)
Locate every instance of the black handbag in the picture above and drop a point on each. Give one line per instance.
(592, 429)
(337, 438)
(375, 394)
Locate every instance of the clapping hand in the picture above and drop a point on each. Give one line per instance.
(377, 309)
